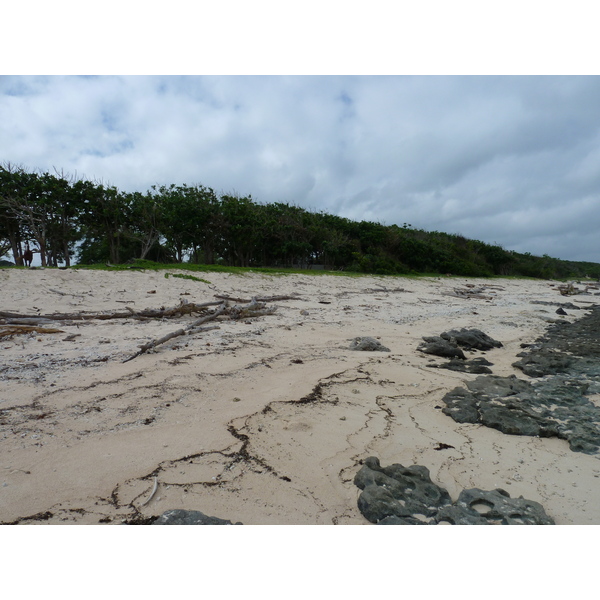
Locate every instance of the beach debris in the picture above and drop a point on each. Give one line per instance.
(189, 330)
(189, 517)
(568, 289)
(398, 495)
(257, 298)
(254, 308)
(472, 292)
(7, 331)
(443, 446)
(155, 487)
(368, 344)
(184, 308)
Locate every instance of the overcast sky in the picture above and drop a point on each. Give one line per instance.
(510, 160)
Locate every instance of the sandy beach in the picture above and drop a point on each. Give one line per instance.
(264, 419)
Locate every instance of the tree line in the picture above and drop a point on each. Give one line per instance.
(75, 220)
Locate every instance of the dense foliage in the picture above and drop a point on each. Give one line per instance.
(94, 223)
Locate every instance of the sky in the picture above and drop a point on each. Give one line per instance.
(511, 159)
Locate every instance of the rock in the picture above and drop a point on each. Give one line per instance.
(189, 517)
(397, 491)
(440, 347)
(560, 311)
(500, 507)
(553, 408)
(543, 362)
(567, 358)
(449, 344)
(471, 339)
(477, 366)
(398, 495)
(367, 344)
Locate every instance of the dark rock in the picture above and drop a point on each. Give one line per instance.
(560, 311)
(543, 362)
(397, 491)
(567, 357)
(568, 305)
(367, 344)
(500, 507)
(471, 339)
(477, 366)
(553, 408)
(398, 495)
(449, 344)
(189, 517)
(440, 347)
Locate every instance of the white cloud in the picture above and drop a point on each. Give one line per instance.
(510, 160)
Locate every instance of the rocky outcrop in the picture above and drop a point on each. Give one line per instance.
(565, 366)
(189, 517)
(552, 408)
(398, 495)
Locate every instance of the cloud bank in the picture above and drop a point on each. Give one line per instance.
(510, 160)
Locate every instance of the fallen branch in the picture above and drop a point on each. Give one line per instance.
(468, 294)
(28, 321)
(65, 293)
(382, 289)
(253, 309)
(184, 308)
(166, 338)
(192, 328)
(9, 331)
(262, 299)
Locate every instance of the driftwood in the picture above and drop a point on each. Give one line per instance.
(184, 308)
(149, 345)
(9, 331)
(258, 299)
(381, 289)
(469, 293)
(65, 293)
(254, 308)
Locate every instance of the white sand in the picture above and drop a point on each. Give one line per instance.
(83, 435)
